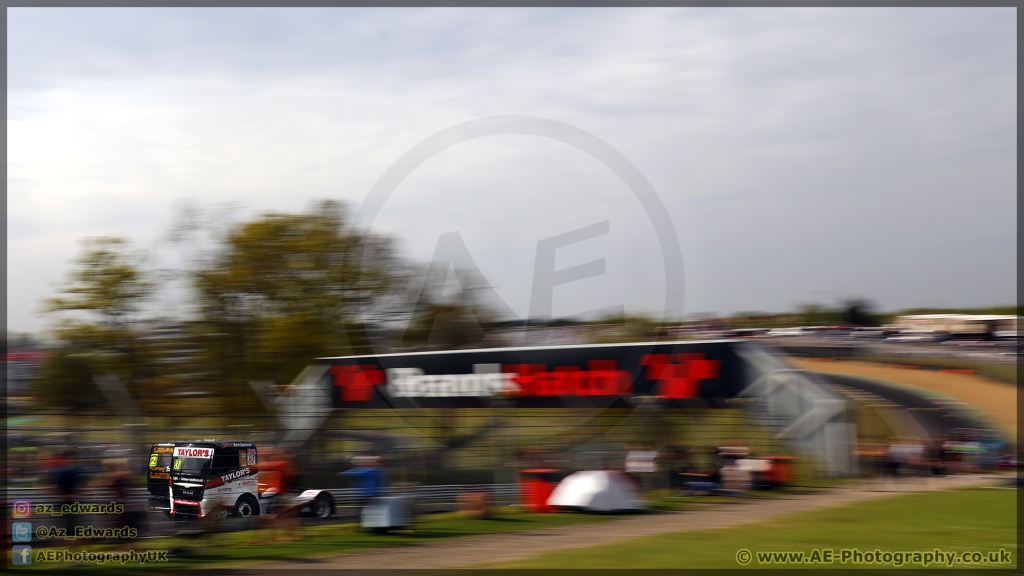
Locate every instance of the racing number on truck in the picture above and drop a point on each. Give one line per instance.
(153, 460)
(177, 464)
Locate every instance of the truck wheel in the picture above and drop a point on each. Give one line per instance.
(322, 507)
(245, 508)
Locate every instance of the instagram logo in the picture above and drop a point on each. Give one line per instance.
(21, 509)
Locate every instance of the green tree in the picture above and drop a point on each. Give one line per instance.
(107, 284)
(97, 311)
(442, 321)
(444, 326)
(283, 289)
(66, 381)
(816, 314)
(857, 312)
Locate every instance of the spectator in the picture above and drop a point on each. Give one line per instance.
(367, 475)
(67, 479)
(119, 481)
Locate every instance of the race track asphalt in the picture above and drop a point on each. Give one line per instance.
(937, 417)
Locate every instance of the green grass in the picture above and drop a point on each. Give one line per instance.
(208, 551)
(1005, 373)
(665, 500)
(982, 519)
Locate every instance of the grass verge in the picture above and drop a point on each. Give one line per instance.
(982, 519)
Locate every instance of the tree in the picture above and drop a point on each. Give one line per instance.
(816, 314)
(97, 310)
(444, 326)
(442, 321)
(858, 312)
(108, 284)
(22, 340)
(66, 381)
(284, 289)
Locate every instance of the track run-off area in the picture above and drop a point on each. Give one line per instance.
(498, 548)
(995, 401)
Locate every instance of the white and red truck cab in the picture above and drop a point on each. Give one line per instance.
(209, 476)
(222, 477)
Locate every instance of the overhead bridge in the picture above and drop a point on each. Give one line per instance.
(797, 406)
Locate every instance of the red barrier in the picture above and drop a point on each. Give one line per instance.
(537, 486)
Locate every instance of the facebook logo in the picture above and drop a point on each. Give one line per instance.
(21, 531)
(21, 555)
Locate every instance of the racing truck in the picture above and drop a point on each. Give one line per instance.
(158, 475)
(205, 477)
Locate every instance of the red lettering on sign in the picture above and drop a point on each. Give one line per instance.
(563, 380)
(525, 377)
(703, 369)
(682, 379)
(357, 382)
(601, 379)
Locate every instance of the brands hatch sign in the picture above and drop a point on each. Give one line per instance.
(681, 374)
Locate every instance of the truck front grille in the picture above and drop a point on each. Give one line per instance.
(182, 493)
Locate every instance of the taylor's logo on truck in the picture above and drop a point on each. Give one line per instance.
(235, 474)
(224, 479)
(180, 452)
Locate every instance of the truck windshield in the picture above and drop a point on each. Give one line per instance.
(193, 466)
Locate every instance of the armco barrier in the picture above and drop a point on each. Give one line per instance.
(503, 494)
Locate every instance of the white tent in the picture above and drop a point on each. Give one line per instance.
(596, 491)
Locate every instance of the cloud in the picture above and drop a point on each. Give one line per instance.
(791, 146)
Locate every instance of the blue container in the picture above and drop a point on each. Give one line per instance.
(369, 481)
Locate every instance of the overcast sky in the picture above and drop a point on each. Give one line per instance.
(803, 155)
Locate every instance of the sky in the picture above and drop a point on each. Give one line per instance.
(801, 155)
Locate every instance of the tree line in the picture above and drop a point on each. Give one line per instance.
(268, 296)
